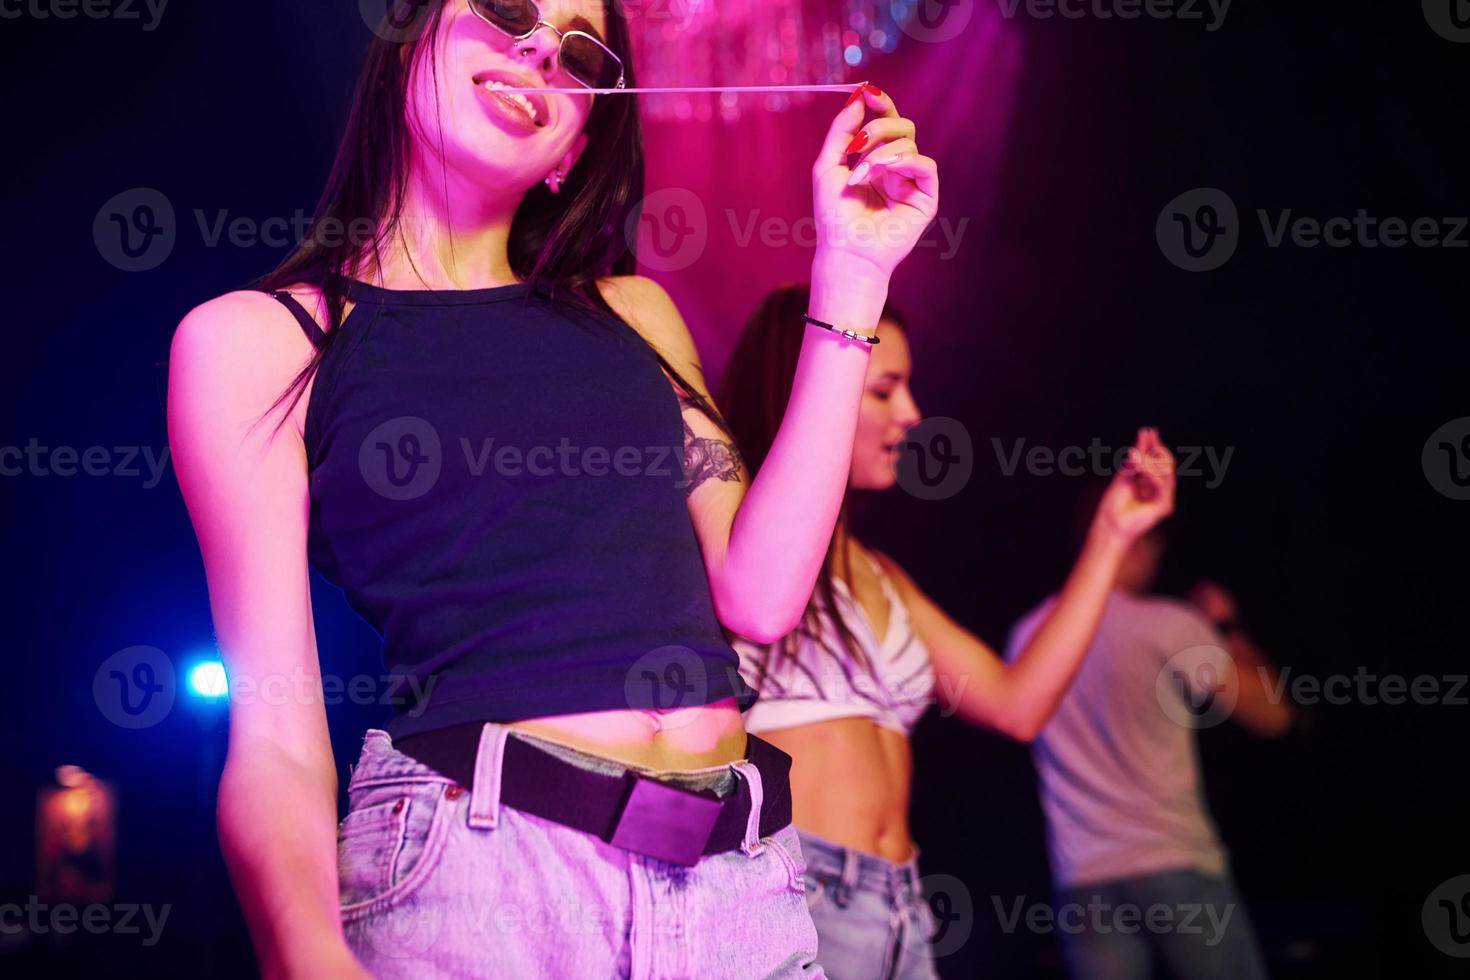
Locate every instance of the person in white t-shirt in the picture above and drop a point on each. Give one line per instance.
(1141, 876)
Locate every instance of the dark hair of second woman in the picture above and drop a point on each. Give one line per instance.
(560, 244)
(753, 393)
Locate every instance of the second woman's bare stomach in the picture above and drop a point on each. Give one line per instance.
(850, 784)
(685, 738)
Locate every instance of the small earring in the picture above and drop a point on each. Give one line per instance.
(556, 176)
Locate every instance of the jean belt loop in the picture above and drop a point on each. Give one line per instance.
(747, 771)
(485, 794)
(848, 880)
(909, 875)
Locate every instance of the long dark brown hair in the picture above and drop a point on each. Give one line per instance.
(753, 393)
(560, 244)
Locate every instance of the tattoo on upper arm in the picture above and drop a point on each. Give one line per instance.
(705, 457)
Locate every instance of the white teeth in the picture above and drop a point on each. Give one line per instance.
(516, 97)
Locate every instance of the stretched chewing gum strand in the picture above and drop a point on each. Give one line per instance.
(579, 90)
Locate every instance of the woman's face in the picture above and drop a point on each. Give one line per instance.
(481, 138)
(886, 413)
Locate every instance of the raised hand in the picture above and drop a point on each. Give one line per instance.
(875, 210)
(1142, 492)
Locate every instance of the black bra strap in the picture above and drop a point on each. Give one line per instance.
(314, 333)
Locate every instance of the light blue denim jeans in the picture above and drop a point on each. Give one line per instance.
(439, 880)
(871, 917)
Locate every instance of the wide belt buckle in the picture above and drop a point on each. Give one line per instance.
(665, 822)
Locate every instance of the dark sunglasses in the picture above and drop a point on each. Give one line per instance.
(585, 58)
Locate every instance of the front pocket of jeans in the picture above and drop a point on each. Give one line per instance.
(385, 851)
(787, 847)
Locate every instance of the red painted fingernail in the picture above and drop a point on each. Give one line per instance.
(874, 89)
(858, 142)
(857, 94)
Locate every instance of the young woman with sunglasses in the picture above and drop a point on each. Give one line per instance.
(841, 692)
(534, 808)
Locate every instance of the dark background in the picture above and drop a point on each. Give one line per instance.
(1325, 369)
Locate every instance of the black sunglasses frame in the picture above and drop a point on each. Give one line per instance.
(562, 36)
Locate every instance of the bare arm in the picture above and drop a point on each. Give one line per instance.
(763, 540)
(1258, 707)
(246, 492)
(1018, 698)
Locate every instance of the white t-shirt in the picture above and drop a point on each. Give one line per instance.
(1117, 765)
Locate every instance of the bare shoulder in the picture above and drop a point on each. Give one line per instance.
(645, 304)
(243, 347)
(252, 324)
(649, 309)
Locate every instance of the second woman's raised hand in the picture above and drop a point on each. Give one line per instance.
(1142, 491)
(875, 210)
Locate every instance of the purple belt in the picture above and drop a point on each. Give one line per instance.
(631, 810)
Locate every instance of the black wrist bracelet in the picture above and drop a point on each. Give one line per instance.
(849, 334)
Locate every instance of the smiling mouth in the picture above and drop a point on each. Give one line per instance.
(532, 107)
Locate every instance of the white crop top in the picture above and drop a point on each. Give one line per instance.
(822, 682)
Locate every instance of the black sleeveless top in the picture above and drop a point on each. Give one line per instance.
(496, 487)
